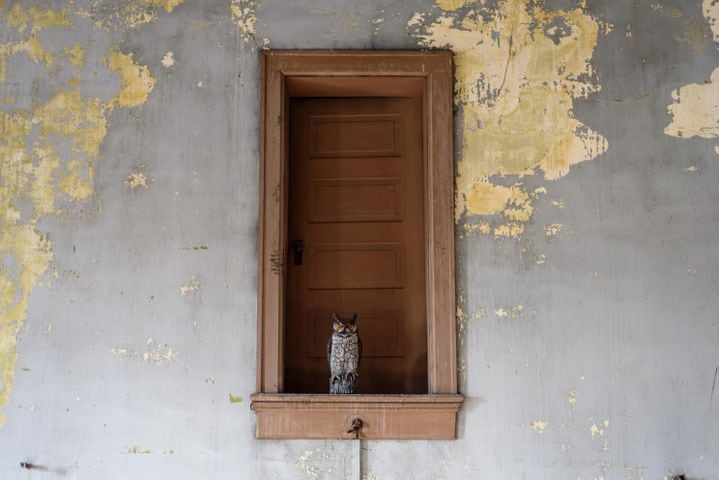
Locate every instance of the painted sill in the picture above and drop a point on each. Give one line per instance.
(400, 417)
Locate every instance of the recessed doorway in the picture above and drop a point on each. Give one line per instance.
(356, 239)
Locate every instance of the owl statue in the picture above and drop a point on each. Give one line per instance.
(344, 350)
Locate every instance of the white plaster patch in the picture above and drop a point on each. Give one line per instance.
(168, 60)
(159, 354)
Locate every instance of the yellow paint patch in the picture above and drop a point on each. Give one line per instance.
(450, 5)
(695, 107)
(137, 450)
(513, 313)
(553, 230)
(20, 17)
(167, 5)
(243, 14)
(572, 398)
(518, 70)
(538, 426)
(34, 173)
(114, 15)
(76, 56)
(136, 180)
(597, 430)
(235, 399)
(137, 83)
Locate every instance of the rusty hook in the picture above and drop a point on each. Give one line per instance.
(356, 427)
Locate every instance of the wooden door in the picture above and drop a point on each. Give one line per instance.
(356, 240)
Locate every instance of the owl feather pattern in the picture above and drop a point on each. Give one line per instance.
(344, 350)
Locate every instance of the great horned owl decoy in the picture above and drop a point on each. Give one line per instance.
(344, 350)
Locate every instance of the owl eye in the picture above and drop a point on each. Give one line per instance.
(337, 327)
(352, 328)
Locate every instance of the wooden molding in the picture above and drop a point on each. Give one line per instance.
(426, 417)
(355, 73)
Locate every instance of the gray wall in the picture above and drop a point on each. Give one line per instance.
(589, 340)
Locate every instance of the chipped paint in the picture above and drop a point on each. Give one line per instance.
(191, 286)
(137, 83)
(695, 107)
(513, 313)
(159, 354)
(710, 9)
(49, 154)
(519, 67)
(695, 111)
(551, 231)
(243, 14)
(168, 60)
(572, 398)
(311, 462)
(597, 430)
(136, 180)
(114, 15)
(538, 426)
(137, 450)
(235, 399)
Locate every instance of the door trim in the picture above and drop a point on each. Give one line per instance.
(355, 73)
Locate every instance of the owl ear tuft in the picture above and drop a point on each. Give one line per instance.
(335, 317)
(354, 318)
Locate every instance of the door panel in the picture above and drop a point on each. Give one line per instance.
(356, 203)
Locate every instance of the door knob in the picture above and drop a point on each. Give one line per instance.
(297, 247)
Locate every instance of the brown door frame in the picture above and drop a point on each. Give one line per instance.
(349, 73)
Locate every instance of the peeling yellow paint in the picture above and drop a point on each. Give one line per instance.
(695, 107)
(114, 15)
(137, 83)
(235, 399)
(512, 313)
(122, 352)
(518, 69)
(137, 450)
(572, 398)
(38, 168)
(539, 426)
(450, 5)
(136, 180)
(597, 430)
(20, 17)
(76, 56)
(243, 14)
(553, 230)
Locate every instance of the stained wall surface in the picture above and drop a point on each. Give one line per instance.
(587, 165)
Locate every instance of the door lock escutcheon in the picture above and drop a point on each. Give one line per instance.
(298, 247)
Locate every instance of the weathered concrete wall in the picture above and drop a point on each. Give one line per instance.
(587, 173)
